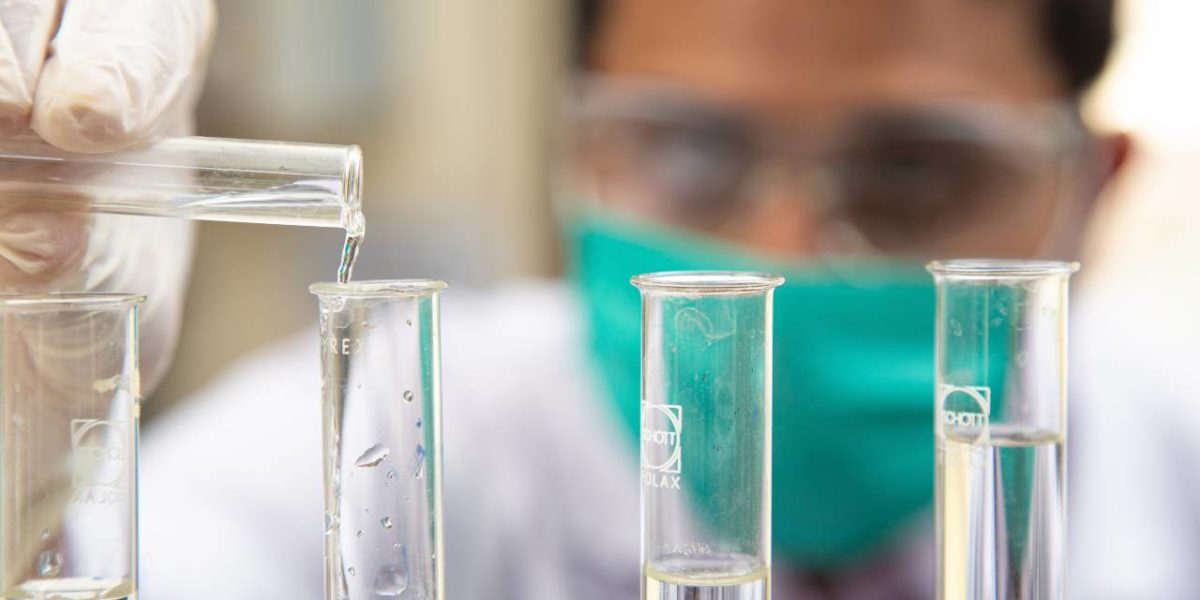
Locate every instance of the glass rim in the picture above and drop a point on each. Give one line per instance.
(1000, 268)
(69, 301)
(378, 288)
(711, 282)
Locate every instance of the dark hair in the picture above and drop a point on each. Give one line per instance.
(1078, 34)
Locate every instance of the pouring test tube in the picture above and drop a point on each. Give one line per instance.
(201, 178)
(1001, 428)
(706, 435)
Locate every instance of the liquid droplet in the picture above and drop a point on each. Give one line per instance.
(386, 522)
(391, 581)
(330, 521)
(350, 571)
(419, 470)
(409, 322)
(45, 534)
(391, 474)
(408, 396)
(359, 534)
(49, 563)
(419, 423)
(373, 456)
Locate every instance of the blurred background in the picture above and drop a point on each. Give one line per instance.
(453, 103)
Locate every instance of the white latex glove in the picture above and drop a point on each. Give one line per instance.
(98, 76)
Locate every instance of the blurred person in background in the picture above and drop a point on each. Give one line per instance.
(838, 142)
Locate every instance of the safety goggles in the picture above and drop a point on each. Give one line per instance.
(905, 179)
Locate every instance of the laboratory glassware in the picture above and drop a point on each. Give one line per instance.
(68, 446)
(706, 434)
(1000, 402)
(382, 439)
(203, 178)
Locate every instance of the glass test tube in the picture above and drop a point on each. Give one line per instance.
(68, 446)
(382, 435)
(706, 435)
(1001, 428)
(201, 178)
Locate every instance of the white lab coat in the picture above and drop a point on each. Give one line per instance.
(541, 486)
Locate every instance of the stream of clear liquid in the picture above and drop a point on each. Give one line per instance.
(356, 229)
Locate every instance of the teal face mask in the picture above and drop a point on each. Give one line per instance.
(853, 365)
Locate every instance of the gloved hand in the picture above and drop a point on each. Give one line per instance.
(98, 76)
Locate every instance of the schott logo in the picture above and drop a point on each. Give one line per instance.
(662, 446)
(101, 460)
(964, 409)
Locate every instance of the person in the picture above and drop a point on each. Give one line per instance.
(839, 142)
(97, 77)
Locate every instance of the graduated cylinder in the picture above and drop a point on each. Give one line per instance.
(382, 434)
(706, 435)
(1000, 403)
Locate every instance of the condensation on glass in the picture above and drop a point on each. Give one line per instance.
(382, 439)
(69, 394)
(706, 434)
(1000, 403)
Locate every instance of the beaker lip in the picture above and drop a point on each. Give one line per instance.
(702, 282)
(378, 288)
(69, 301)
(1000, 268)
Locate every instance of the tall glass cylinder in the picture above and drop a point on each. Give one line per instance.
(68, 446)
(1001, 428)
(706, 435)
(382, 434)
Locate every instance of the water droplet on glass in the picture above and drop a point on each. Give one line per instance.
(409, 322)
(329, 523)
(49, 563)
(386, 522)
(419, 470)
(350, 571)
(45, 534)
(419, 423)
(391, 581)
(391, 474)
(373, 456)
(408, 396)
(359, 534)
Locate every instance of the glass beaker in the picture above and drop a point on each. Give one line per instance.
(706, 434)
(68, 446)
(1001, 428)
(382, 434)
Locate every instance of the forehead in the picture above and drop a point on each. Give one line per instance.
(796, 55)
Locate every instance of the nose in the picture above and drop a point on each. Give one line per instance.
(783, 213)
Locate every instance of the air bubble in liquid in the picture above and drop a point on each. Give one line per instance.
(386, 522)
(408, 396)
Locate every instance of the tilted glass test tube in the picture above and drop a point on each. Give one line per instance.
(201, 178)
(706, 435)
(68, 446)
(382, 435)
(1001, 428)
